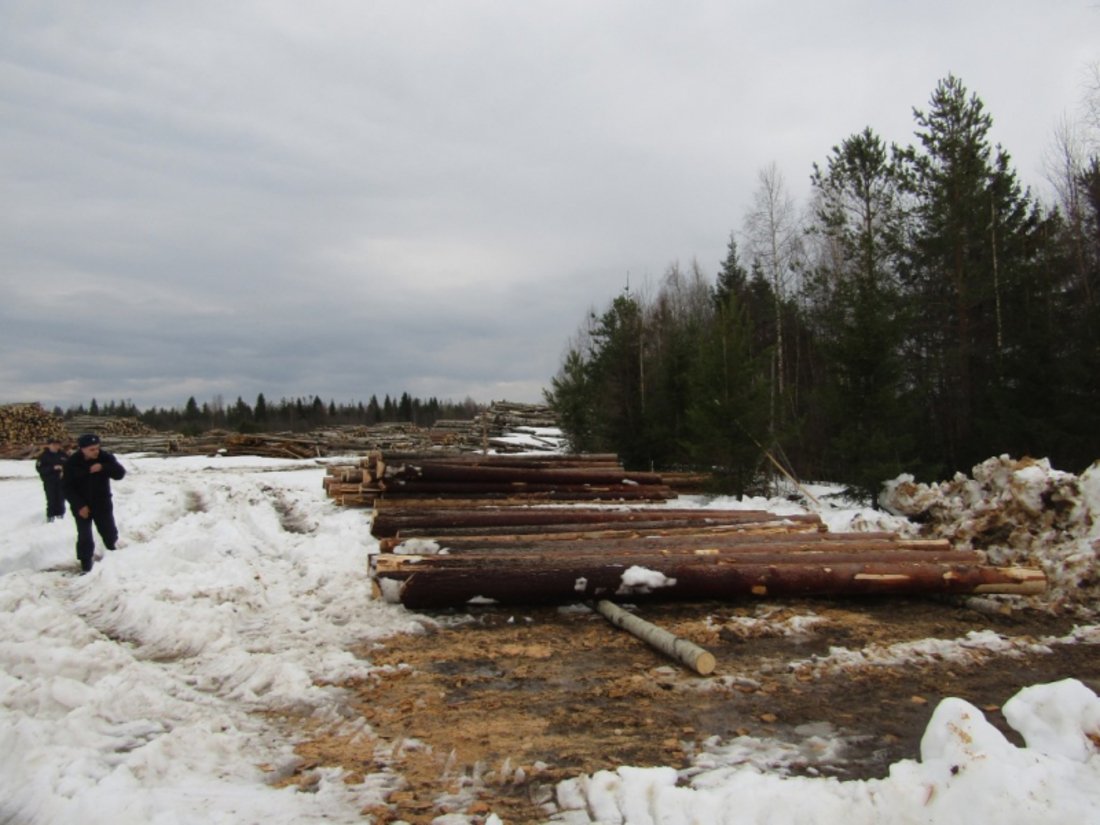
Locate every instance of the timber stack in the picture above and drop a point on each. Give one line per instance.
(434, 477)
(445, 541)
(25, 428)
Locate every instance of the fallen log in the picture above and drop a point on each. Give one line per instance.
(540, 475)
(422, 582)
(683, 651)
(552, 536)
(747, 540)
(566, 530)
(390, 522)
(548, 491)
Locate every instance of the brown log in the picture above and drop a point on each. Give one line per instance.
(543, 475)
(491, 538)
(388, 522)
(573, 532)
(748, 540)
(437, 588)
(401, 563)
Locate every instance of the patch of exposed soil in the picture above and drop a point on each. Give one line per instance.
(488, 711)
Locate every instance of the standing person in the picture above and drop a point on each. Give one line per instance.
(50, 466)
(87, 477)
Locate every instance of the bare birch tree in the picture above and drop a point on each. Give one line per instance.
(773, 239)
(1065, 164)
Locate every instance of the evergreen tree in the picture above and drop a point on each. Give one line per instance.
(856, 303)
(733, 278)
(970, 251)
(573, 396)
(730, 395)
(674, 325)
(617, 368)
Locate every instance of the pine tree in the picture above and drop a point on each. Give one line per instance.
(729, 407)
(573, 397)
(859, 221)
(617, 369)
(973, 250)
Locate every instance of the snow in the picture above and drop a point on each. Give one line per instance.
(152, 689)
(636, 580)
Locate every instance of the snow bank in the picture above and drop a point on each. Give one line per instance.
(968, 772)
(1019, 512)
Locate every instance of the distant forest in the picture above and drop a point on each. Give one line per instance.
(297, 414)
(922, 313)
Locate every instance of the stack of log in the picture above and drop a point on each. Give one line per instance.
(25, 428)
(110, 425)
(509, 415)
(448, 557)
(477, 477)
(124, 434)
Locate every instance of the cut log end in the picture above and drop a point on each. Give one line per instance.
(704, 663)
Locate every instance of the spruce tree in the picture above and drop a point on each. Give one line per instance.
(972, 253)
(859, 221)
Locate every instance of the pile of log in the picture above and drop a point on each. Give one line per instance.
(25, 428)
(479, 477)
(509, 415)
(436, 557)
(103, 425)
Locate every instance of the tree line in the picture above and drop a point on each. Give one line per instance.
(286, 414)
(921, 314)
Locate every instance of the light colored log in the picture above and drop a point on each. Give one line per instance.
(683, 651)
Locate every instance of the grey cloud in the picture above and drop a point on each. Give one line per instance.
(350, 198)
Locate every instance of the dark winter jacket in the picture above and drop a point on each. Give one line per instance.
(83, 487)
(48, 461)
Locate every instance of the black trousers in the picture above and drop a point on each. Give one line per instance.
(104, 520)
(55, 495)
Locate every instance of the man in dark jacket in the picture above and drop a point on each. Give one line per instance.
(50, 465)
(87, 477)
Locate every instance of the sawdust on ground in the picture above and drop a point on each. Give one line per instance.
(488, 710)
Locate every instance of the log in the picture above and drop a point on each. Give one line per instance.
(541, 475)
(388, 523)
(683, 651)
(636, 529)
(747, 540)
(429, 582)
(501, 537)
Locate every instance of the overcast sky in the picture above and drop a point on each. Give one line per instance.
(348, 197)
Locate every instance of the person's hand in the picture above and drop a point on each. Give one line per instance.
(95, 468)
(84, 512)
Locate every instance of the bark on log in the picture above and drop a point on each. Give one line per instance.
(561, 535)
(415, 583)
(747, 541)
(388, 523)
(565, 531)
(683, 651)
(545, 475)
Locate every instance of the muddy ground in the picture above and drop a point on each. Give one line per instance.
(488, 710)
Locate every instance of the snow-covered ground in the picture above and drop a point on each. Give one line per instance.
(137, 693)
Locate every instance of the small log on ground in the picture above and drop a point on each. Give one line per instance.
(683, 651)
